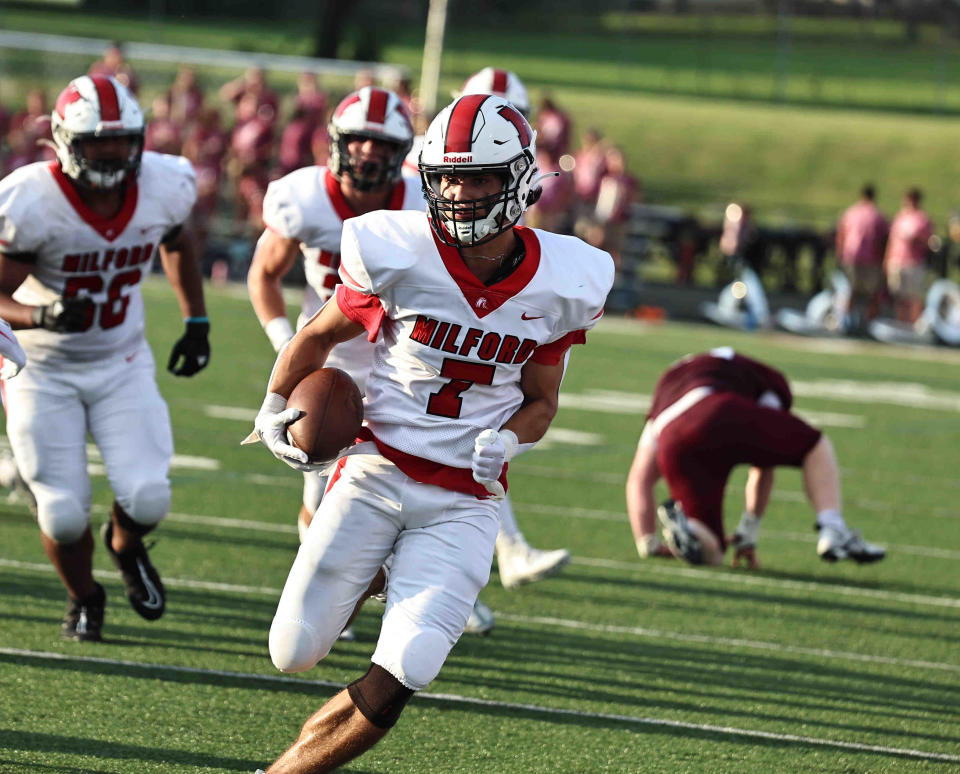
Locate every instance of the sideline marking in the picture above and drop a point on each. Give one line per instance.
(507, 705)
(638, 631)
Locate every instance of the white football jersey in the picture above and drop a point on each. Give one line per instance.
(448, 363)
(308, 206)
(79, 253)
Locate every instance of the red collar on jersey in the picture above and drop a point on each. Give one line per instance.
(484, 299)
(108, 228)
(342, 207)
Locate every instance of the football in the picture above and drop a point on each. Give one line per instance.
(333, 413)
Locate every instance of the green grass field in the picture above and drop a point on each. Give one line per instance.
(617, 665)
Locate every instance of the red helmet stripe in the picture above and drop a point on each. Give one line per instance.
(499, 82)
(347, 102)
(462, 119)
(522, 127)
(107, 95)
(67, 97)
(377, 109)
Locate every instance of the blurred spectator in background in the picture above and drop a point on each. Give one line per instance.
(606, 226)
(310, 99)
(162, 135)
(248, 91)
(906, 259)
(296, 141)
(553, 129)
(364, 78)
(185, 98)
(739, 240)
(590, 165)
(861, 239)
(33, 125)
(205, 145)
(4, 121)
(553, 208)
(115, 64)
(249, 167)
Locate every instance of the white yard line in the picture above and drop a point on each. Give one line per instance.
(637, 631)
(501, 705)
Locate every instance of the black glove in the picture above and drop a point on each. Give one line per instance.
(65, 315)
(193, 347)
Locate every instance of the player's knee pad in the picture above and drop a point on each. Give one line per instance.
(60, 515)
(313, 486)
(294, 646)
(148, 503)
(420, 658)
(379, 696)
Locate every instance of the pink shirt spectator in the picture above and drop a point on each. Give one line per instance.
(909, 233)
(861, 234)
(591, 165)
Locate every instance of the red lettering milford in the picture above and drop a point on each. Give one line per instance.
(94, 262)
(134, 257)
(489, 345)
(108, 259)
(441, 332)
(508, 349)
(526, 349)
(470, 340)
(71, 263)
(122, 257)
(147, 252)
(450, 343)
(423, 329)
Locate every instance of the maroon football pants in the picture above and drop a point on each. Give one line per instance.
(698, 449)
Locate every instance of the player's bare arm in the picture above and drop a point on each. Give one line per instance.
(272, 259)
(541, 399)
(12, 275)
(191, 352)
(641, 501)
(309, 349)
(179, 259)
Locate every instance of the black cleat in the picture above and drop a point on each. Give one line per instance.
(677, 534)
(140, 578)
(84, 618)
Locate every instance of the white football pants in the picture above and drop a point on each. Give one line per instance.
(51, 407)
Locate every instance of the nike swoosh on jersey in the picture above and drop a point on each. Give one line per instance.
(525, 316)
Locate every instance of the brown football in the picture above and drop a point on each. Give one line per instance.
(333, 413)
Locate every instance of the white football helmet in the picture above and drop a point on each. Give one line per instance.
(501, 83)
(479, 133)
(93, 107)
(375, 113)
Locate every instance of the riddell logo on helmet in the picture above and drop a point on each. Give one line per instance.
(457, 159)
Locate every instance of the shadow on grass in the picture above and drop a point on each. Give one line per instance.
(97, 748)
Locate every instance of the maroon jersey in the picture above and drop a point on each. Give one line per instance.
(723, 371)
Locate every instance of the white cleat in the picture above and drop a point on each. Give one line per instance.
(834, 544)
(481, 620)
(519, 564)
(347, 635)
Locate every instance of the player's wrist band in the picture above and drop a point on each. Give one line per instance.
(279, 331)
(189, 320)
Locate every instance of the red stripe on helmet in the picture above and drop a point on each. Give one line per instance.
(67, 97)
(377, 109)
(519, 123)
(107, 96)
(499, 82)
(462, 119)
(347, 102)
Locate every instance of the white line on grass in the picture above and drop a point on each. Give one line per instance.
(503, 705)
(637, 631)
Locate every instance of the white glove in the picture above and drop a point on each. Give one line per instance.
(14, 358)
(490, 451)
(270, 427)
(746, 534)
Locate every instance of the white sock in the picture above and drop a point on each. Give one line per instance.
(509, 534)
(831, 517)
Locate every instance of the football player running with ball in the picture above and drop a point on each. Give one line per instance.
(77, 237)
(473, 317)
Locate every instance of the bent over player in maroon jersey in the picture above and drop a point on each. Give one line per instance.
(710, 413)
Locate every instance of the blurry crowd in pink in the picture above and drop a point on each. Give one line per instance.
(241, 138)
